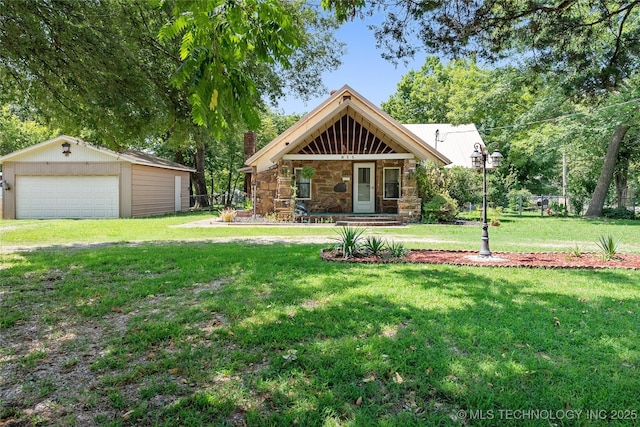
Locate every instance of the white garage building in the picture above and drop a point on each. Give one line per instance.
(66, 177)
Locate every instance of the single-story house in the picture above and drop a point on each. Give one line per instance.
(67, 177)
(345, 156)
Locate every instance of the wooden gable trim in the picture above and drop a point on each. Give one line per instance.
(316, 123)
(346, 136)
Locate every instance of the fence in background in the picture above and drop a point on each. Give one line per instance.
(239, 200)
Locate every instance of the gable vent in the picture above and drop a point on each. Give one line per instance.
(346, 136)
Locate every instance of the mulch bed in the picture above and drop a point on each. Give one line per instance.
(499, 259)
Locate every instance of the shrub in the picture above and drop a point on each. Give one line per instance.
(441, 208)
(464, 185)
(308, 172)
(608, 247)
(577, 204)
(618, 213)
(374, 245)
(349, 241)
(494, 215)
(228, 215)
(396, 250)
(519, 198)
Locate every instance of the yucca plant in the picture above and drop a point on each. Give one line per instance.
(608, 247)
(374, 245)
(575, 252)
(396, 249)
(349, 241)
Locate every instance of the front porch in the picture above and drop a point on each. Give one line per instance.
(382, 188)
(352, 219)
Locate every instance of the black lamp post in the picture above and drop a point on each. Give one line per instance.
(479, 160)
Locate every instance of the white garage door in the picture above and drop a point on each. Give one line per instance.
(67, 197)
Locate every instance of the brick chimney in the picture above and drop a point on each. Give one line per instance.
(250, 144)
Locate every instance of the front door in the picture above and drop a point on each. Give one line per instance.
(364, 188)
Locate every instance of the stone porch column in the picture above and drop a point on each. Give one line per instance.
(409, 205)
(283, 203)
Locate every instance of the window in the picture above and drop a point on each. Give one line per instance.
(303, 185)
(392, 183)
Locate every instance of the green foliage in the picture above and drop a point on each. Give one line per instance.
(608, 247)
(515, 107)
(308, 172)
(350, 241)
(18, 132)
(464, 185)
(440, 93)
(374, 245)
(574, 252)
(494, 215)
(95, 70)
(222, 43)
(396, 249)
(618, 213)
(431, 179)
(519, 199)
(557, 209)
(440, 209)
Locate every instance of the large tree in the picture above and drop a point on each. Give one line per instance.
(591, 45)
(99, 70)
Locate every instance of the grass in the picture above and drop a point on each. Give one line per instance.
(203, 333)
(523, 234)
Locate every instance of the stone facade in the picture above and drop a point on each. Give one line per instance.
(332, 189)
(409, 205)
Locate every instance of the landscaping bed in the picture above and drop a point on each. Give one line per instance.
(499, 259)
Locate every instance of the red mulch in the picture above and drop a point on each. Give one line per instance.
(501, 259)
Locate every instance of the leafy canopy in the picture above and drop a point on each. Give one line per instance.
(593, 42)
(219, 41)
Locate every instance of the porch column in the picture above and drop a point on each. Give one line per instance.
(283, 203)
(409, 204)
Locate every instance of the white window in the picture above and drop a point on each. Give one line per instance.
(303, 185)
(391, 183)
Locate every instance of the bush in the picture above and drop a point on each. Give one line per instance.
(464, 185)
(441, 208)
(228, 215)
(519, 198)
(374, 245)
(618, 213)
(396, 250)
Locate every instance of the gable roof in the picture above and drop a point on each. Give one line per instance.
(131, 156)
(454, 141)
(341, 103)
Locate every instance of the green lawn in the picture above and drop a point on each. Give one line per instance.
(176, 331)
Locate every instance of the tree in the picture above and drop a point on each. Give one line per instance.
(95, 70)
(18, 130)
(223, 47)
(496, 100)
(593, 44)
(99, 70)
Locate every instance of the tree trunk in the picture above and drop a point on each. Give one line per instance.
(621, 176)
(604, 181)
(198, 178)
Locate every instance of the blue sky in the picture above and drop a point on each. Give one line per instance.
(362, 68)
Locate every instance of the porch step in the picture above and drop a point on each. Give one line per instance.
(369, 221)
